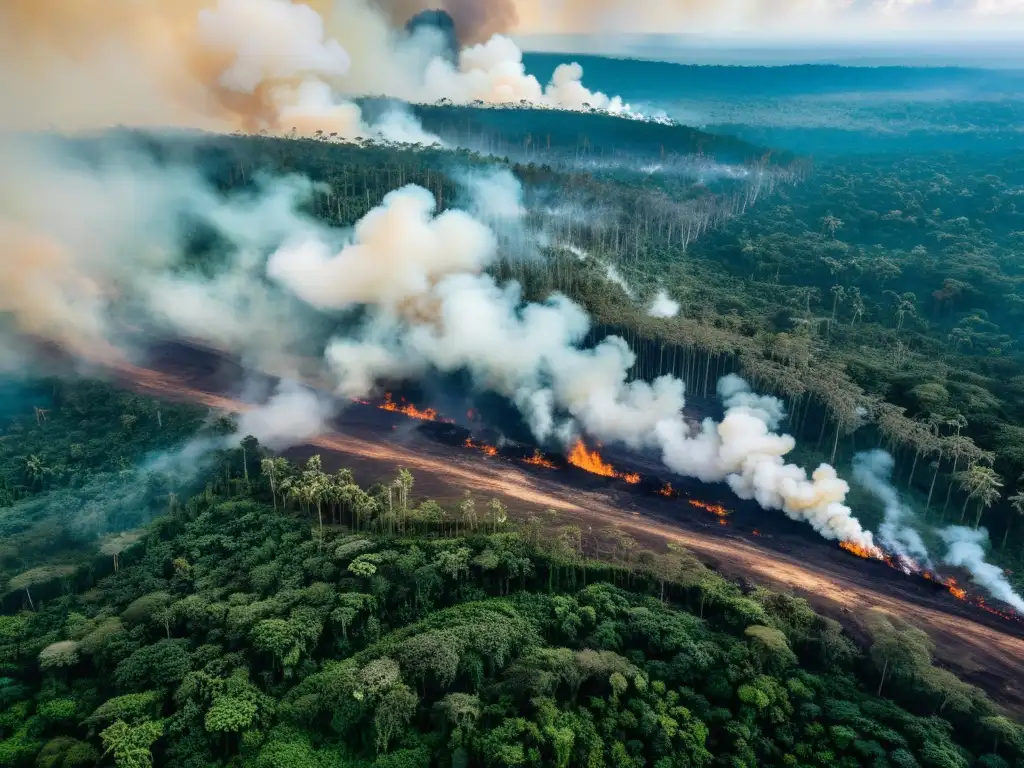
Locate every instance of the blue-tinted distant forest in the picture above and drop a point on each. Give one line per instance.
(824, 109)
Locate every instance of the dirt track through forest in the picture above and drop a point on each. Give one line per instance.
(990, 656)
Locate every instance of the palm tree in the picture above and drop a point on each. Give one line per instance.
(403, 483)
(838, 294)
(249, 444)
(959, 446)
(276, 471)
(467, 510)
(857, 302)
(498, 513)
(35, 471)
(1017, 504)
(831, 223)
(982, 483)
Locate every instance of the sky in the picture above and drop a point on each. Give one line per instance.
(940, 32)
(776, 20)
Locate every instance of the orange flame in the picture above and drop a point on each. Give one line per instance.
(538, 460)
(667, 491)
(410, 410)
(714, 509)
(489, 450)
(722, 521)
(591, 461)
(856, 549)
(955, 591)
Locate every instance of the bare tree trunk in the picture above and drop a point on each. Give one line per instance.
(931, 488)
(949, 488)
(913, 468)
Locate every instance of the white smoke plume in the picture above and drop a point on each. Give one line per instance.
(873, 470)
(663, 306)
(744, 453)
(736, 394)
(612, 275)
(418, 276)
(493, 72)
(452, 317)
(495, 197)
(90, 247)
(966, 550)
(396, 253)
(247, 64)
(292, 416)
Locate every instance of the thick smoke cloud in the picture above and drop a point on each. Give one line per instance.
(245, 64)
(293, 415)
(736, 394)
(899, 532)
(873, 470)
(449, 316)
(966, 550)
(88, 248)
(474, 20)
(397, 251)
(415, 276)
(663, 306)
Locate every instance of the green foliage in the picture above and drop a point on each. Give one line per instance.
(241, 634)
(132, 708)
(130, 744)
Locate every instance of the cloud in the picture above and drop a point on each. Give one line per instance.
(767, 19)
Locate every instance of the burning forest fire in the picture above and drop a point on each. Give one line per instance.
(955, 591)
(410, 410)
(859, 551)
(590, 461)
(538, 460)
(911, 568)
(489, 450)
(715, 509)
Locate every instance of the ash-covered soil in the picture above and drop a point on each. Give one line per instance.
(754, 545)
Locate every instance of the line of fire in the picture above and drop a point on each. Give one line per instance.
(587, 459)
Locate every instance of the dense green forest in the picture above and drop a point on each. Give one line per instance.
(82, 460)
(881, 298)
(281, 616)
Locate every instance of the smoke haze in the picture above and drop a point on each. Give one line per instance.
(292, 416)
(452, 317)
(249, 65)
(966, 550)
(663, 305)
(475, 20)
(897, 533)
(84, 246)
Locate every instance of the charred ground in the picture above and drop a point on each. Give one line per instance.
(748, 544)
